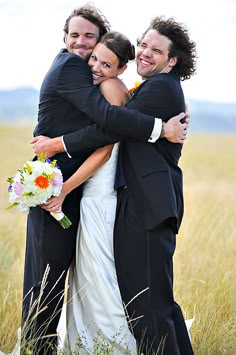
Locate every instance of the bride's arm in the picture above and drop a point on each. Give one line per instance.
(115, 92)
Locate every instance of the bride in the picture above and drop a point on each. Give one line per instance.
(95, 316)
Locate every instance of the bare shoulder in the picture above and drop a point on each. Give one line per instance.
(115, 91)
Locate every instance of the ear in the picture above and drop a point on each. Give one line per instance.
(173, 61)
(65, 38)
(121, 70)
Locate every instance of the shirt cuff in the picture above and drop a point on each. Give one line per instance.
(64, 146)
(156, 132)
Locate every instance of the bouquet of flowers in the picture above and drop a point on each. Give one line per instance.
(34, 184)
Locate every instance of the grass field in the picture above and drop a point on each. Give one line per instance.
(205, 273)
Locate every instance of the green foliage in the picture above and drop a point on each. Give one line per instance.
(13, 205)
(10, 180)
(27, 168)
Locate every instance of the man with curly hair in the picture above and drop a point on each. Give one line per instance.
(150, 207)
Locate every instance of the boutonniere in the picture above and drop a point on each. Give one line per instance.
(133, 89)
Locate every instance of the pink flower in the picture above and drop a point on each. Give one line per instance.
(57, 180)
(18, 188)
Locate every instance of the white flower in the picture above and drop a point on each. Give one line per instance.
(34, 184)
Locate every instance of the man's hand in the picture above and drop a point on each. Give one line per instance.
(48, 146)
(187, 114)
(175, 131)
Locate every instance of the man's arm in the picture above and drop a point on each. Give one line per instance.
(126, 122)
(87, 139)
(84, 140)
(75, 85)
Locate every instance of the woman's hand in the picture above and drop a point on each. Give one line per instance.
(54, 204)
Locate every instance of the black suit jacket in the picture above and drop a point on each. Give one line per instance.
(155, 166)
(151, 170)
(67, 83)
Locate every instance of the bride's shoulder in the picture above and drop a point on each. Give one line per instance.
(114, 82)
(114, 90)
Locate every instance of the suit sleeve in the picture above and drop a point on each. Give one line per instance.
(88, 139)
(75, 85)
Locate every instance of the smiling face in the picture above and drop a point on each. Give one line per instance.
(82, 37)
(152, 55)
(104, 64)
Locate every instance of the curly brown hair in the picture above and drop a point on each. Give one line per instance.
(92, 14)
(181, 47)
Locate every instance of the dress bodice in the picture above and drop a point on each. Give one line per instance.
(102, 182)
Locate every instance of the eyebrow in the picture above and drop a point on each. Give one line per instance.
(102, 61)
(153, 48)
(106, 62)
(159, 50)
(90, 33)
(86, 33)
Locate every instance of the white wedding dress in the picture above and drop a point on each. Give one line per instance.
(94, 313)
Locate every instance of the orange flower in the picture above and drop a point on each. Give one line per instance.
(131, 90)
(41, 182)
(136, 85)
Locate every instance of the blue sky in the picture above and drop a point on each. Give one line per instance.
(31, 36)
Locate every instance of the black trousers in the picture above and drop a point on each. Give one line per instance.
(47, 245)
(144, 262)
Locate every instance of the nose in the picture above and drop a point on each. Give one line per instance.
(80, 40)
(147, 51)
(96, 66)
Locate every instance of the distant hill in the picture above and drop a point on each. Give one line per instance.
(19, 105)
(212, 116)
(22, 105)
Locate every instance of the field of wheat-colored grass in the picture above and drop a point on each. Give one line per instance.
(205, 273)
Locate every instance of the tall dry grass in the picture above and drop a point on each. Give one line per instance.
(205, 276)
(205, 273)
(14, 142)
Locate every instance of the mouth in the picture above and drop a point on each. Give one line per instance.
(96, 76)
(144, 62)
(80, 49)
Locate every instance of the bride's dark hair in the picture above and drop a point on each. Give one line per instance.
(119, 44)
